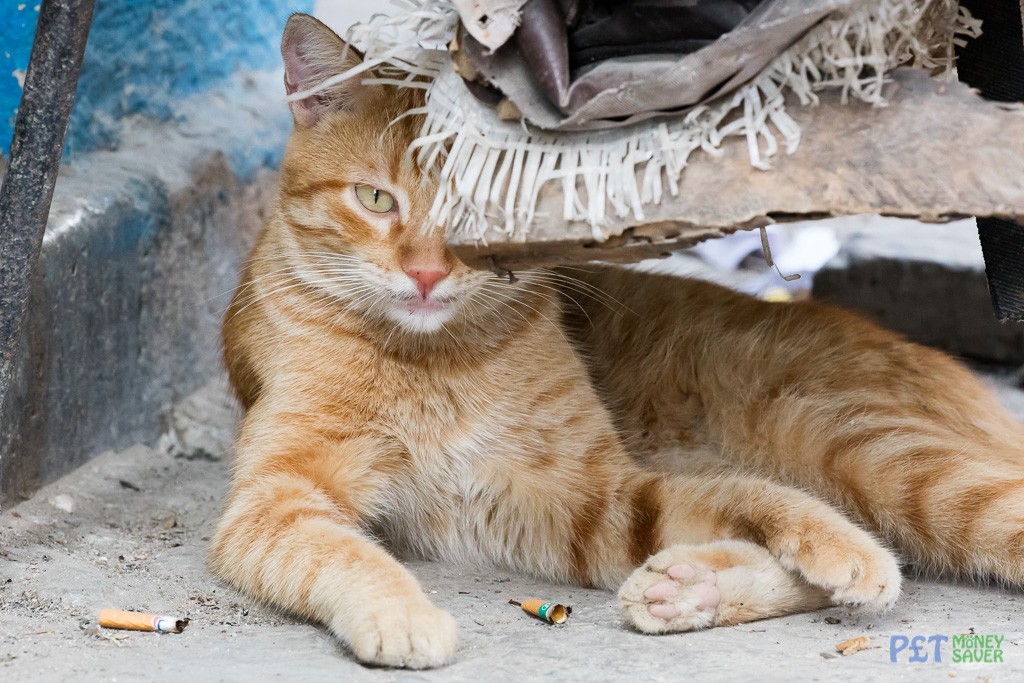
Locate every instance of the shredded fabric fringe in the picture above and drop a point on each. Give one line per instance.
(492, 172)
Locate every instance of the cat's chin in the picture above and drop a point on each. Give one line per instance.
(421, 316)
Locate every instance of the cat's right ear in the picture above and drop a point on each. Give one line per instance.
(313, 53)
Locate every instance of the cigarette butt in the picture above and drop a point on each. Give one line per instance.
(137, 621)
(550, 612)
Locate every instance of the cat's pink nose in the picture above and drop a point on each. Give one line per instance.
(426, 279)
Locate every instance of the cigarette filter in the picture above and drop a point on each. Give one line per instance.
(137, 621)
(550, 612)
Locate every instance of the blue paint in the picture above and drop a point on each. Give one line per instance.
(250, 146)
(17, 26)
(143, 56)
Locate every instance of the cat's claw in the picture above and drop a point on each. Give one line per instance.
(399, 634)
(665, 596)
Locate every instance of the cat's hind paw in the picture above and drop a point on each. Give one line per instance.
(848, 563)
(670, 595)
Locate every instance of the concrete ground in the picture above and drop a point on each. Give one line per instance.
(128, 530)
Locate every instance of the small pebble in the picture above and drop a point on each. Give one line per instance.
(63, 502)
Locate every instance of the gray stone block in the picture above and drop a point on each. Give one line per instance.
(142, 250)
(925, 281)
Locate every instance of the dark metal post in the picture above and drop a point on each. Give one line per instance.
(36, 148)
(994, 64)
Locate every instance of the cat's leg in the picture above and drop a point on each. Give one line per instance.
(823, 552)
(806, 535)
(689, 587)
(290, 536)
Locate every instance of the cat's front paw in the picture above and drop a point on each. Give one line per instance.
(669, 594)
(410, 634)
(845, 561)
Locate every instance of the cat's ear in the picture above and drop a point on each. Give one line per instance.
(313, 53)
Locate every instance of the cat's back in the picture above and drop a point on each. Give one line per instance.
(639, 315)
(686, 361)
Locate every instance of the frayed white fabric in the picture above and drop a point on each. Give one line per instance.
(492, 171)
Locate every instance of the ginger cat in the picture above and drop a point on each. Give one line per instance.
(396, 396)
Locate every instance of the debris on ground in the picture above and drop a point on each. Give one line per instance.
(551, 612)
(138, 621)
(853, 645)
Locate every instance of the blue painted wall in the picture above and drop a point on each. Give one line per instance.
(143, 56)
(17, 26)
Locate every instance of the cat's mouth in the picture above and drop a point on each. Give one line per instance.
(419, 314)
(417, 305)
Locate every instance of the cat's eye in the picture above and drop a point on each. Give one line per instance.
(375, 200)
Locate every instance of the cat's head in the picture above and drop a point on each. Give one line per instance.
(354, 201)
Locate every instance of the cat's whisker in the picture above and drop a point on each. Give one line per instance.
(329, 299)
(333, 257)
(318, 307)
(368, 295)
(289, 276)
(535, 310)
(249, 284)
(564, 286)
(390, 335)
(555, 325)
(562, 277)
(238, 276)
(560, 292)
(445, 328)
(595, 293)
(501, 301)
(352, 264)
(293, 270)
(259, 296)
(492, 309)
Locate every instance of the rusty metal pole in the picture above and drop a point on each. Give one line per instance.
(36, 148)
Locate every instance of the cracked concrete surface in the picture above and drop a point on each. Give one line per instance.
(128, 530)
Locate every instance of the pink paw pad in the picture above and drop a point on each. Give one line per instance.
(666, 590)
(664, 611)
(707, 596)
(703, 596)
(683, 572)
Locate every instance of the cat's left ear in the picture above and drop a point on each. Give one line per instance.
(313, 53)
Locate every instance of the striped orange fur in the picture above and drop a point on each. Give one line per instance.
(666, 438)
